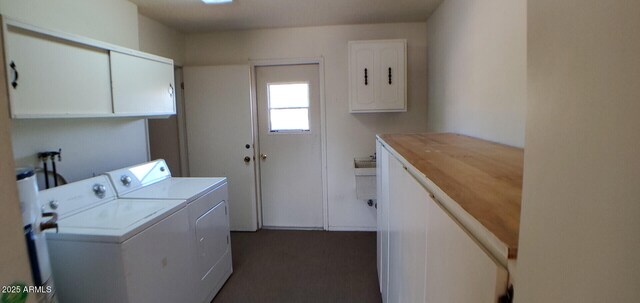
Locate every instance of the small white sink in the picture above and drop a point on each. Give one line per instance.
(365, 171)
(364, 166)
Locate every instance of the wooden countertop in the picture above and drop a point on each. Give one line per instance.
(483, 178)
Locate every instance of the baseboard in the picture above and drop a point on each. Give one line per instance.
(352, 228)
(291, 228)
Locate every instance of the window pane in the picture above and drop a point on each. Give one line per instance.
(288, 95)
(289, 119)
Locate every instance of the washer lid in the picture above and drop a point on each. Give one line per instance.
(176, 188)
(115, 221)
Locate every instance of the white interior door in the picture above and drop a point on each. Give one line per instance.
(220, 135)
(288, 100)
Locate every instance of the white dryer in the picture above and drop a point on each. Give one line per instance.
(208, 214)
(116, 250)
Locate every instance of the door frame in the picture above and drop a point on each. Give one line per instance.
(254, 63)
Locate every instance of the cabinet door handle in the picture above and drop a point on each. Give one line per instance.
(171, 90)
(366, 77)
(14, 83)
(390, 76)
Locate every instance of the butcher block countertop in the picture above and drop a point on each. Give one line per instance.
(478, 182)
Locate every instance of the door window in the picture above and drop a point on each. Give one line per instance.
(288, 107)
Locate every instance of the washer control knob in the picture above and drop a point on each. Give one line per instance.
(53, 204)
(162, 169)
(99, 190)
(126, 180)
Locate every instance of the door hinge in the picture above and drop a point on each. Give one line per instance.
(225, 209)
(227, 239)
(182, 85)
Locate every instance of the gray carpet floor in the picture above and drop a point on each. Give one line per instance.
(302, 266)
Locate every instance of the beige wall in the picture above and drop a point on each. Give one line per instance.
(89, 145)
(112, 21)
(580, 227)
(477, 69)
(158, 39)
(348, 135)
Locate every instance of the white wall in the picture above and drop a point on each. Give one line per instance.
(477, 69)
(89, 145)
(158, 39)
(348, 135)
(580, 226)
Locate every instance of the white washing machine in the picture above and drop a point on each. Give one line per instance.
(208, 219)
(116, 250)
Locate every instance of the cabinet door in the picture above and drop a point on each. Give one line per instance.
(413, 239)
(362, 62)
(407, 235)
(396, 278)
(142, 86)
(382, 171)
(51, 77)
(459, 270)
(390, 76)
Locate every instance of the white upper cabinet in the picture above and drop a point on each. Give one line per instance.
(377, 76)
(57, 75)
(49, 77)
(142, 86)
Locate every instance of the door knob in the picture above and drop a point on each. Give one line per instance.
(247, 159)
(263, 156)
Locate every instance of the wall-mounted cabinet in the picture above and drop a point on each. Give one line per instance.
(56, 75)
(142, 86)
(377, 76)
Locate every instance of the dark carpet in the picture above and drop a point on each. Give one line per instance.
(302, 266)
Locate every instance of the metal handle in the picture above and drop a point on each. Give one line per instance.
(14, 83)
(263, 156)
(247, 159)
(52, 223)
(366, 77)
(390, 76)
(171, 90)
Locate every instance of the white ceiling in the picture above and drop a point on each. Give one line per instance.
(191, 16)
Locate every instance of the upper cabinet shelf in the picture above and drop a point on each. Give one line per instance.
(56, 75)
(377, 76)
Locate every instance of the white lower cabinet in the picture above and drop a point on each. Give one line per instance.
(423, 254)
(382, 186)
(458, 269)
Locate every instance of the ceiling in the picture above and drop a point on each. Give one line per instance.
(192, 16)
